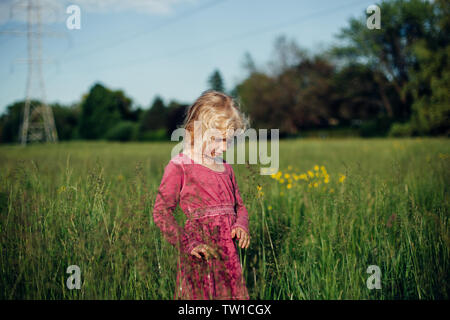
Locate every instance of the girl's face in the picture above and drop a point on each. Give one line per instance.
(219, 145)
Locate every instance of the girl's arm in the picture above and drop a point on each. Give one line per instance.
(241, 210)
(165, 203)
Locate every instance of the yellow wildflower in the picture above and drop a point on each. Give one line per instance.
(316, 168)
(311, 174)
(341, 178)
(289, 186)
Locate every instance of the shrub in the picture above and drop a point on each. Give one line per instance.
(400, 130)
(376, 127)
(123, 131)
(153, 135)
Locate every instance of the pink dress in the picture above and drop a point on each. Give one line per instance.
(213, 206)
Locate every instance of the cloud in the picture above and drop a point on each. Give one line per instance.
(55, 10)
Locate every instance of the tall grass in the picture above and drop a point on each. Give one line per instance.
(90, 204)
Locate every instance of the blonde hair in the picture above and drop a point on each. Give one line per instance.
(215, 110)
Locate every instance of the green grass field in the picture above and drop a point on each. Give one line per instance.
(337, 207)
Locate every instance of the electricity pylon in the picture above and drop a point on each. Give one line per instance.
(38, 119)
(38, 123)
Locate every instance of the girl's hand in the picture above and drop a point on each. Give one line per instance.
(242, 235)
(204, 249)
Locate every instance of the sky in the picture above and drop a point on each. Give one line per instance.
(165, 48)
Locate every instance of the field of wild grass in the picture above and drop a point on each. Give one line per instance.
(335, 208)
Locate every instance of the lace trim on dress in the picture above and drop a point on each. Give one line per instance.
(211, 211)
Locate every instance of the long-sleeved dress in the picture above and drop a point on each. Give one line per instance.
(213, 206)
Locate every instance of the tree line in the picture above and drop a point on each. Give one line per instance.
(392, 81)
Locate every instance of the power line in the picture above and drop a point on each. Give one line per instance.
(145, 32)
(36, 5)
(231, 38)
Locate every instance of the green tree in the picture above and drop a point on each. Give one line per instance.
(430, 86)
(153, 123)
(11, 121)
(66, 120)
(215, 81)
(248, 63)
(430, 80)
(101, 110)
(125, 106)
(155, 117)
(296, 95)
(358, 94)
(175, 115)
(389, 50)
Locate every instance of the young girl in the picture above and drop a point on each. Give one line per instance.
(208, 265)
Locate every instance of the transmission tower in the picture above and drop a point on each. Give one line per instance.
(38, 123)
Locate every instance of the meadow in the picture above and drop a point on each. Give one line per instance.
(336, 207)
